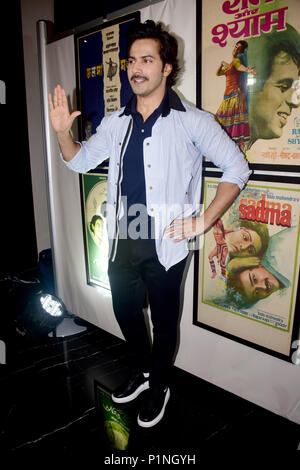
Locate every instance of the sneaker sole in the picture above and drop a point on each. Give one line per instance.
(134, 395)
(149, 424)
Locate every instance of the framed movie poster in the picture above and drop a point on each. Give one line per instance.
(102, 84)
(247, 271)
(94, 195)
(115, 422)
(248, 76)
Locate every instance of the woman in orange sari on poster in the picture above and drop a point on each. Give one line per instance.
(233, 111)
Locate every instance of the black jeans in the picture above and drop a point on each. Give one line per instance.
(135, 273)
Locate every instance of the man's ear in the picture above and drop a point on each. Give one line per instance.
(167, 69)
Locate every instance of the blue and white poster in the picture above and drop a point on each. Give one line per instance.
(102, 83)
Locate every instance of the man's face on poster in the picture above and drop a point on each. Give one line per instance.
(273, 104)
(258, 283)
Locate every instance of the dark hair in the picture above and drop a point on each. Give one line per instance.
(93, 221)
(168, 44)
(235, 292)
(263, 49)
(244, 45)
(261, 230)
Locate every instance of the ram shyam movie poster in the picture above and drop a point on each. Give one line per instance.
(250, 75)
(249, 264)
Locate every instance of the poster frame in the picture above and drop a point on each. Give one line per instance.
(89, 279)
(295, 333)
(200, 77)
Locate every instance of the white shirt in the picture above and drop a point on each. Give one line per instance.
(173, 158)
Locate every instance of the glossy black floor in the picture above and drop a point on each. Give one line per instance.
(48, 407)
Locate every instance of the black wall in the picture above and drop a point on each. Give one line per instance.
(18, 241)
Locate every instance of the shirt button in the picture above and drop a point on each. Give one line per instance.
(142, 130)
(147, 143)
(150, 187)
(149, 166)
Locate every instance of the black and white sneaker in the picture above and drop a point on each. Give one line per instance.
(153, 406)
(132, 388)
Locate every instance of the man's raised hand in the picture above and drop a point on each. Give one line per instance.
(60, 116)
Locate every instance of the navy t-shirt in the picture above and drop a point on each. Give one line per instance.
(133, 182)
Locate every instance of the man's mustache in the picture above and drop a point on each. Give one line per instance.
(138, 76)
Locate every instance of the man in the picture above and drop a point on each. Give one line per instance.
(155, 144)
(273, 93)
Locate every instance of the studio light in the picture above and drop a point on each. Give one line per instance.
(42, 314)
(52, 305)
(32, 310)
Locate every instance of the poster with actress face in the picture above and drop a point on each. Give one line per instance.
(94, 195)
(248, 267)
(250, 75)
